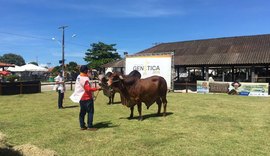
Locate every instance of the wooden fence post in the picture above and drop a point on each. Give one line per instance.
(186, 87)
(71, 85)
(21, 87)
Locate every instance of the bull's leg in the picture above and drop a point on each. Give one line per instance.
(110, 101)
(113, 97)
(164, 101)
(131, 112)
(140, 111)
(159, 103)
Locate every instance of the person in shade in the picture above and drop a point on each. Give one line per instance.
(83, 94)
(60, 88)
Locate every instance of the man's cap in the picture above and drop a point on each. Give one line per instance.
(84, 68)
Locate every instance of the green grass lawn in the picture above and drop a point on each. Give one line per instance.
(196, 124)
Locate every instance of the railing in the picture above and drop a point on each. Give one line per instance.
(185, 86)
(28, 87)
(69, 84)
(11, 88)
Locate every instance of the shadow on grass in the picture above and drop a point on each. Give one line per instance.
(73, 106)
(118, 102)
(154, 115)
(105, 124)
(114, 103)
(9, 152)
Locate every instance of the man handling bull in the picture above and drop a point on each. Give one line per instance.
(83, 94)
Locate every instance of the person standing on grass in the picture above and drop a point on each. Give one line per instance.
(60, 88)
(83, 94)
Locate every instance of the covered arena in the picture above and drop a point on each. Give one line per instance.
(229, 59)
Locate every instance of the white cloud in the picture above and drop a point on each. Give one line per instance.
(139, 8)
(69, 54)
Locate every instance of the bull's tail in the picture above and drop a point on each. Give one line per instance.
(163, 94)
(162, 87)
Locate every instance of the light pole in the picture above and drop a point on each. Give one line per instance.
(63, 50)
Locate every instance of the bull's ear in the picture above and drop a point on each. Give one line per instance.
(121, 77)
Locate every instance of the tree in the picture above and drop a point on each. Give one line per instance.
(34, 63)
(100, 54)
(72, 70)
(12, 59)
(55, 70)
(72, 67)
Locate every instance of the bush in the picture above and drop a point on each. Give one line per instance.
(11, 78)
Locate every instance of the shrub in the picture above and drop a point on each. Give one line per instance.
(11, 78)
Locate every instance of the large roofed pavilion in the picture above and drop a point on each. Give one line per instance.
(242, 58)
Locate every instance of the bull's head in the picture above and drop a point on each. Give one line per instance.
(103, 82)
(114, 79)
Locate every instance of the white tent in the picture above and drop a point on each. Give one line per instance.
(32, 68)
(27, 67)
(15, 69)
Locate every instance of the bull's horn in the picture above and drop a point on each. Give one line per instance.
(121, 77)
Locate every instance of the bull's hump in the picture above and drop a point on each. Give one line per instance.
(152, 78)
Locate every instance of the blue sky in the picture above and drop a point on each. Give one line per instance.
(28, 26)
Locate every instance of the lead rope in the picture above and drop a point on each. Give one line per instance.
(95, 97)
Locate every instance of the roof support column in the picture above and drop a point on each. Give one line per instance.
(223, 75)
(253, 79)
(247, 73)
(233, 76)
(267, 73)
(207, 73)
(202, 69)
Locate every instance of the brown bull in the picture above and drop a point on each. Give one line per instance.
(107, 91)
(134, 91)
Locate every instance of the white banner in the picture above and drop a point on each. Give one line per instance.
(246, 88)
(150, 65)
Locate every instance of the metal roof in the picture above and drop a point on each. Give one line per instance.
(242, 50)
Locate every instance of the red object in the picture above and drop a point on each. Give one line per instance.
(4, 73)
(88, 91)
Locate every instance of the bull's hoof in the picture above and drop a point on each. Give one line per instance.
(130, 117)
(109, 103)
(140, 118)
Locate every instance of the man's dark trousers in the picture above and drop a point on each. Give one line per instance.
(87, 106)
(60, 99)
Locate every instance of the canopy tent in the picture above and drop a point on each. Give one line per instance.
(27, 67)
(15, 69)
(32, 67)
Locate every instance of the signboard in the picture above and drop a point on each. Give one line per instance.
(252, 89)
(149, 65)
(246, 88)
(202, 87)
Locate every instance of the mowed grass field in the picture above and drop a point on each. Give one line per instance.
(196, 124)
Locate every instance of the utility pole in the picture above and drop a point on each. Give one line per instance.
(63, 50)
